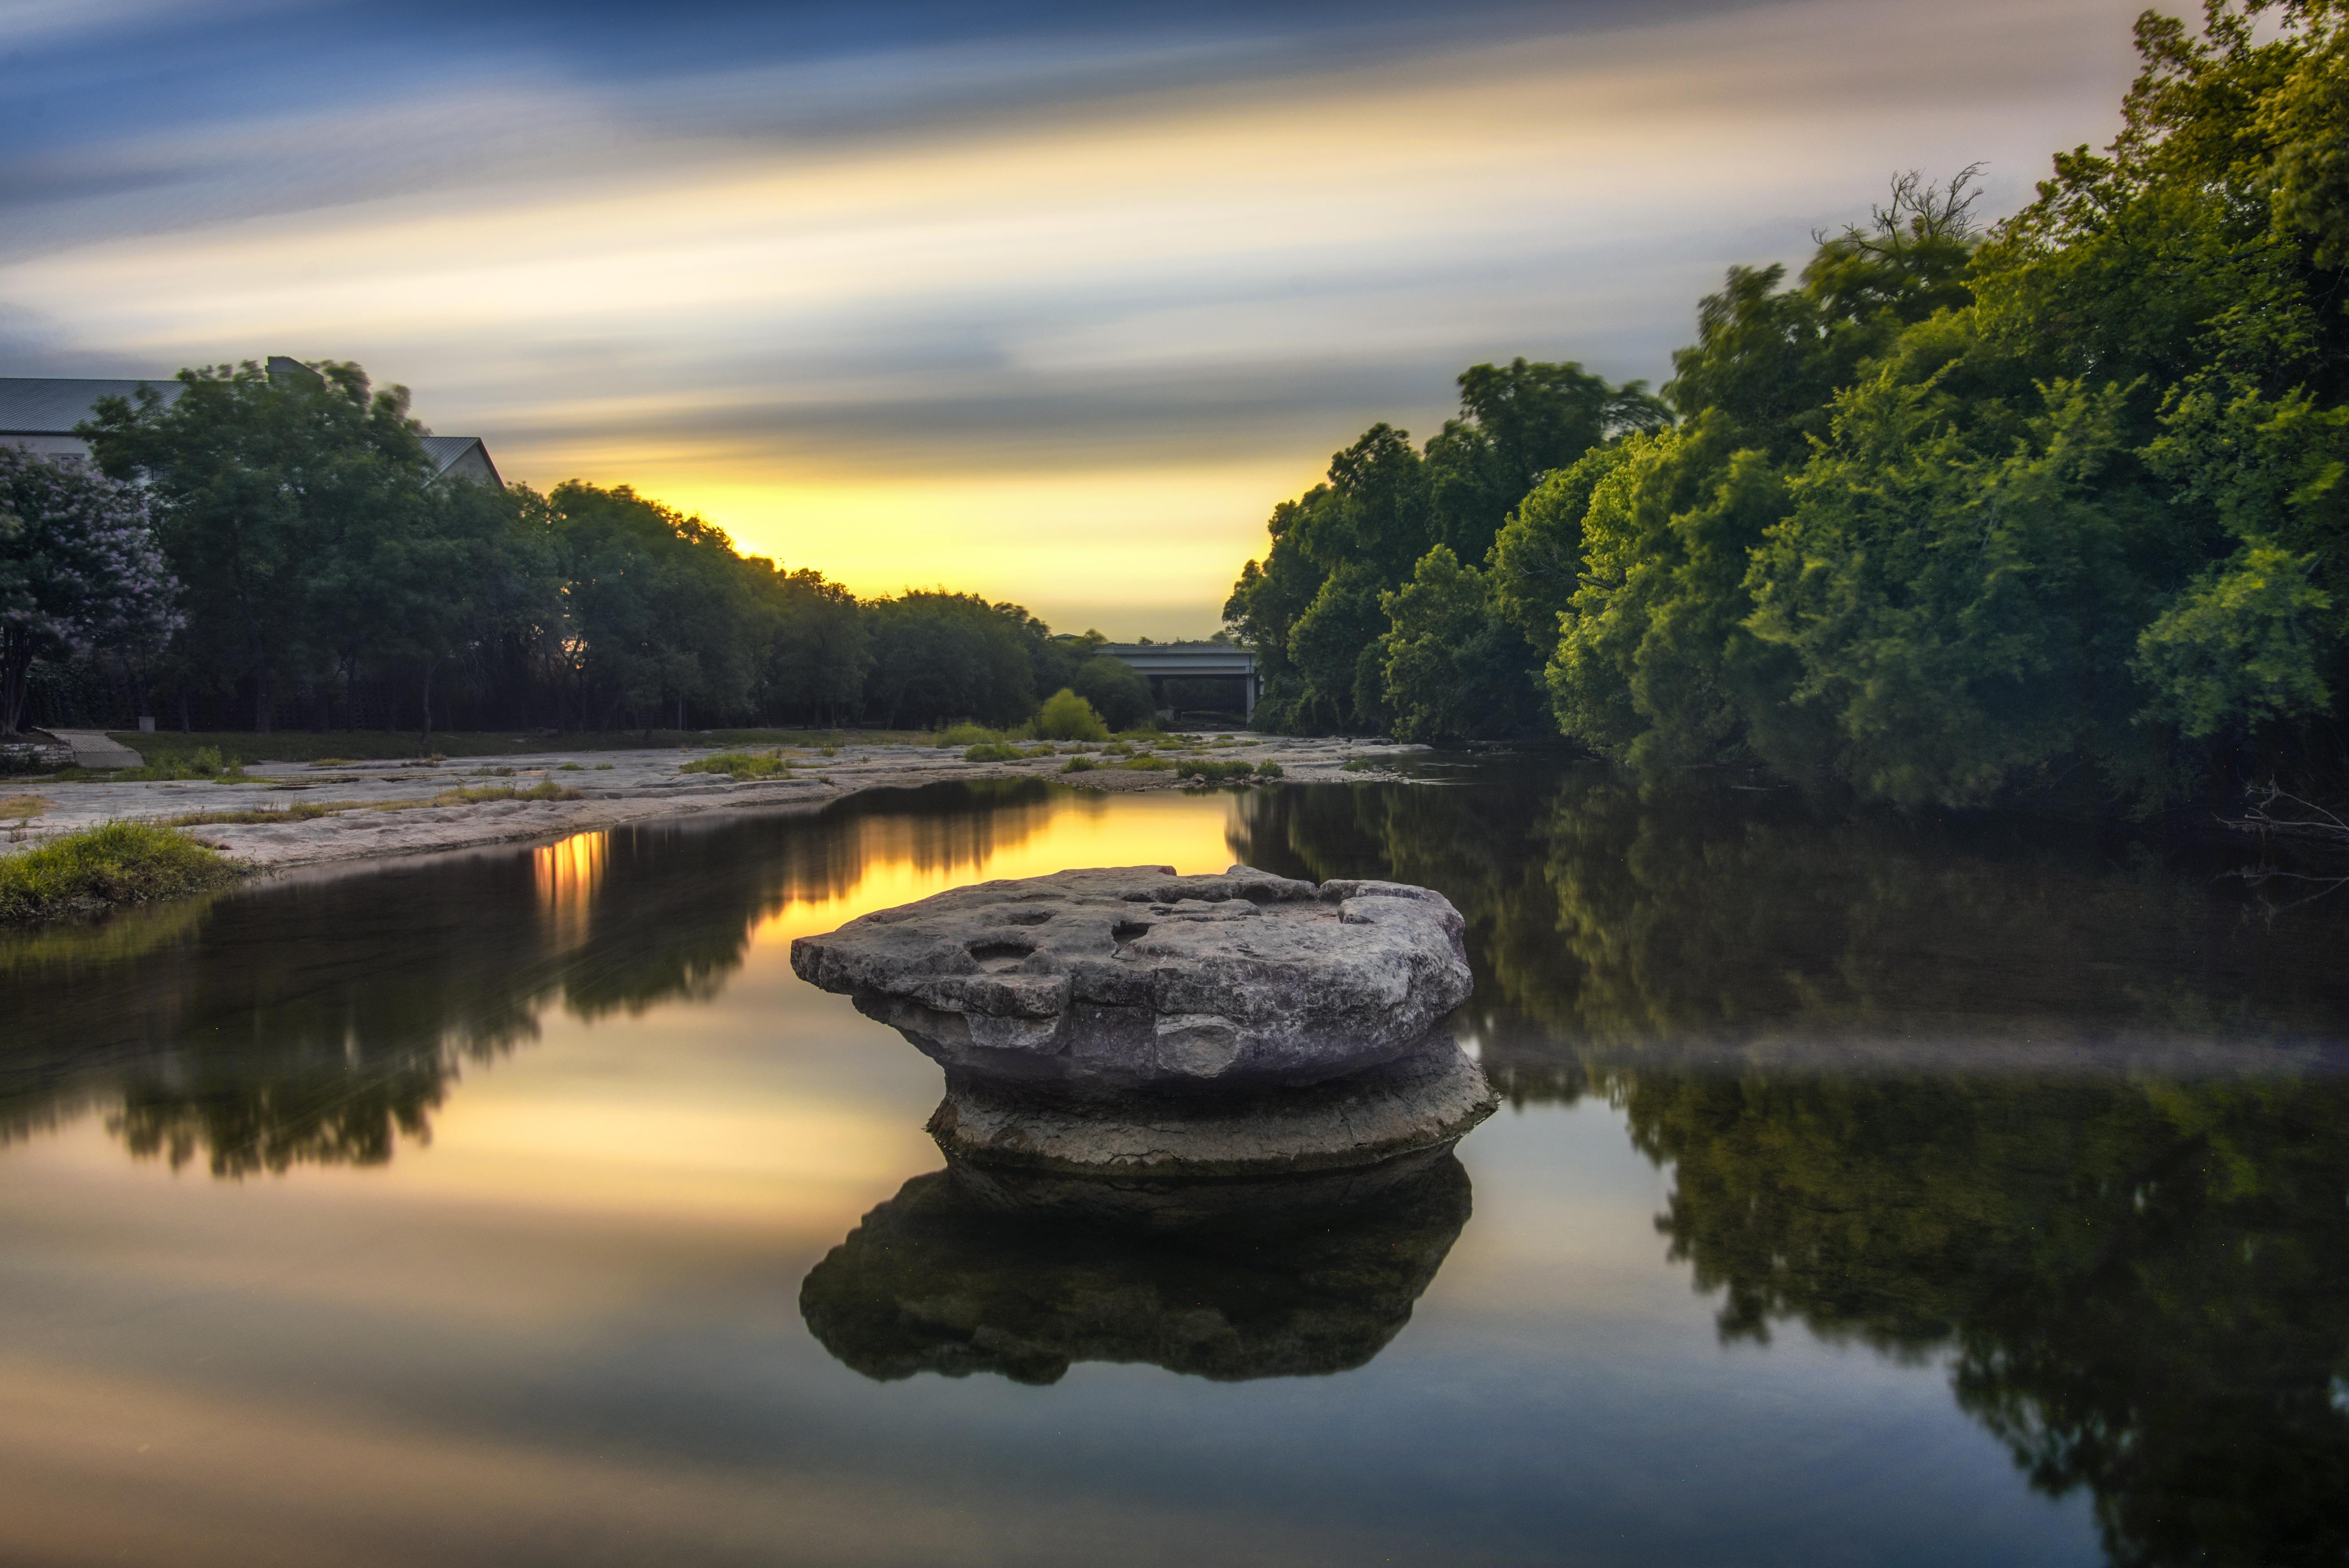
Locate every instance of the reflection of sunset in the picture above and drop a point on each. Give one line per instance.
(568, 874)
(896, 860)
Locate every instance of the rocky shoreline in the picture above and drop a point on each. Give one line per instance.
(384, 809)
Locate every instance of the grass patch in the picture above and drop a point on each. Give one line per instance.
(107, 867)
(1079, 765)
(22, 809)
(1217, 772)
(993, 751)
(299, 811)
(544, 789)
(741, 765)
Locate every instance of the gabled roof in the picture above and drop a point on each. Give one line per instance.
(460, 453)
(54, 405)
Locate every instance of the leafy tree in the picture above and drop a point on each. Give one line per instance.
(1117, 691)
(1537, 559)
(661, 610)
(818, 648)
(79, 565)
(262, 487)
(938, 656)
(1452, 669)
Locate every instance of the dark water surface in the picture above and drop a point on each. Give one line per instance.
(1866, 1193)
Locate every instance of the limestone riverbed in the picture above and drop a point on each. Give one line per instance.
(382, 808)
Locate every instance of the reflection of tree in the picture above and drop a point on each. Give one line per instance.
(2145, 1284)
(1286, 1282)
(2119, 1199)
(1596, 915)
(322, 1021)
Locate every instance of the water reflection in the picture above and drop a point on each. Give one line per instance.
(323, 1021)
(2063, 1109)
(966, 1271)
(2145, 1284)
(1732, 920)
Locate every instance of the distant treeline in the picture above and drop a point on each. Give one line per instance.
(1962, 513)
(320, 574)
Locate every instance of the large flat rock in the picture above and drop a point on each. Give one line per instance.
(1105, 980)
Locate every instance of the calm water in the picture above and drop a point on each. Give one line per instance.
(1866, 1193)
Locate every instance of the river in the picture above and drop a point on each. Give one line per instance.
(1864, 1192)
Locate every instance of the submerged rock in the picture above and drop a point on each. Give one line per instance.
(1108, 980)
(962, 1273)
(1427, 1098)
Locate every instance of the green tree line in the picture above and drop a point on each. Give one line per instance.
(1958, 513)
(321, 575)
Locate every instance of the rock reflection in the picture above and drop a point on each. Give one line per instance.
(967, 1271)
(322, 1021)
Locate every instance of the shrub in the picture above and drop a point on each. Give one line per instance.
(741, 765)
(992, 752)
(1065, 716)
(1116, 690)
(1267, 770)
(1079, 765)
(967, 735)
(544, 789)
(105, 867)
(1217, 772)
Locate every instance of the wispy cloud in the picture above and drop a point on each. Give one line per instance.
(815, 283)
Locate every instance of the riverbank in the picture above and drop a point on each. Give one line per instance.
(276, 816)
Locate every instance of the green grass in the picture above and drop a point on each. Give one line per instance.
(1079, 765)
(742, 765)
(246, 816)
(544, 789)
(341, 746)
(104, 868)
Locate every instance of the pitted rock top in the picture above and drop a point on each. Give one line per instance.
(1134, 978)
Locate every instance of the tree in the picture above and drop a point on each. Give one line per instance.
(940, 656)
(1118, 692)
(1453, 669)
(267, 491)
(79, 565)
(662, 612)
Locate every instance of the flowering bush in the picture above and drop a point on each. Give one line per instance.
(78, 566)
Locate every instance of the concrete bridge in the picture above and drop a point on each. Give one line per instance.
(1159, 663)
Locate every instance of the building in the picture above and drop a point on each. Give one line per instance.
(39, 413)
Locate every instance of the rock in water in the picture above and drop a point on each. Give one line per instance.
(1136, 978)
(1429, 1097)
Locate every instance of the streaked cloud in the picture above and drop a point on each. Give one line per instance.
(1013, 301)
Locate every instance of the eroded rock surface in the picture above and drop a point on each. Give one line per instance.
(1426, 1099)
(1118, 978)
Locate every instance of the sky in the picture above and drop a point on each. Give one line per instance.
(1047, 302)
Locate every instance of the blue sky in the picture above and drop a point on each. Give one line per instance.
(1052, 302)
